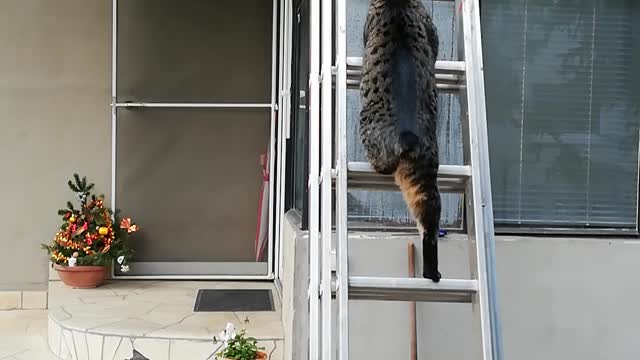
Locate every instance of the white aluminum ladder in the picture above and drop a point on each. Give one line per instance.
(464, 77)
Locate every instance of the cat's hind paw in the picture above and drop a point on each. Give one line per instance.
(433, 274)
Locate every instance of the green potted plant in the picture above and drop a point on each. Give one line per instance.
(239, 346)
(89, 239)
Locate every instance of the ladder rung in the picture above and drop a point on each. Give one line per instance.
(449, 74)
(412, 289)
(451, 178)
(442, 66)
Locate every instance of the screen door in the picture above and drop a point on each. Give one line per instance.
(193, 117)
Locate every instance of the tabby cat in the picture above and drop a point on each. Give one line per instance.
(399, 111)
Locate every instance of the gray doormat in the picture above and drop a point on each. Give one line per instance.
(214, 300)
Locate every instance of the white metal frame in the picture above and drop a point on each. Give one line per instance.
(342, 269)
(326, 175)
(284, 113)
(115, 105)
(277, 220)
(314, 162)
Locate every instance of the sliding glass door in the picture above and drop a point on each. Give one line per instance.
(193, 120)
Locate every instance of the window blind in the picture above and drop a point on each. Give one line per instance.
(562, 104)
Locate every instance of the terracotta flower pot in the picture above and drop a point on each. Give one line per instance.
(82, 277)
(259, 356)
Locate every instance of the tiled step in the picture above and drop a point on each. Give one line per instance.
(154, 318)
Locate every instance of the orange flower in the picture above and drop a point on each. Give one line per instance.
(126, 224)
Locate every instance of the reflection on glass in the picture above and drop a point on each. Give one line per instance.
(195, 51)
(192, 185)
(562, 110)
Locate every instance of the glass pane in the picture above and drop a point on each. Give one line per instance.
(192, 179)
(299, 111)
(194, 51)
(503, 58)
(388, 208)
(563, 111)
(615, 114)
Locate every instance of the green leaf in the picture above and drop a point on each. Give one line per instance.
(73, 187)
(47, 248)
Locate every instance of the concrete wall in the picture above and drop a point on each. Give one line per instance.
(295, 282)
(54, 120)
(561, 298)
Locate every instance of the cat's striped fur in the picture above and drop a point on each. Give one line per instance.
(399, 110)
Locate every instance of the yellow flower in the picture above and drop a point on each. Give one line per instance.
(103, 230)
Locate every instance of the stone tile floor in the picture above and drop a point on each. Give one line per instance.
(153, 317)
(23, 335)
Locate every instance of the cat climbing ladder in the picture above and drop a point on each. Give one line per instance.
(464, 77)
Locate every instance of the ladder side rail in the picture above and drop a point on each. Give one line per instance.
(484, 174)
(473, 198)
(314, 142)
(468, 213)
(326, 181)
(342, 244)
(475, 202)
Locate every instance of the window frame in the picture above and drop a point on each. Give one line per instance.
(300, 7)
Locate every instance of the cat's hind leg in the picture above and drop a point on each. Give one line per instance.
(381, 150)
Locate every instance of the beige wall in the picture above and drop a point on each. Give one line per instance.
(55, 119)
(560, 298)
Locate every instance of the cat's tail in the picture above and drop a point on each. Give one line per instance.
(418, 182)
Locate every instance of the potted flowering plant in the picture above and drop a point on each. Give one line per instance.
(239, 346)
(90, 237)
